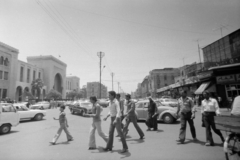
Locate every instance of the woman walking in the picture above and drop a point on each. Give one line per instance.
(96, 124)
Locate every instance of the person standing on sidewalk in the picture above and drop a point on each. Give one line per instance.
(209, 109)
(131, 117)
(63, 126)
(115, 113)
(151, 120)
(96, 110)
(187, 114)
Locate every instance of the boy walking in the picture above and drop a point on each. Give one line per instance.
(63, 126)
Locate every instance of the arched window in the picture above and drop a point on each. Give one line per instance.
(1, 60)
(6, 62)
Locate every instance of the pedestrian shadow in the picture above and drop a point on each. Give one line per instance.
(11, 132)
(136, 141)
(194, 141)
(125, 155)
(63, 143)
(159, 130)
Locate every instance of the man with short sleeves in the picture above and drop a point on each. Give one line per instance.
(209, 109)
(115, 113)
(187, 114)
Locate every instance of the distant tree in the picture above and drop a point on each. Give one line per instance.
(53, 94)
(37, 85)
(74, 94)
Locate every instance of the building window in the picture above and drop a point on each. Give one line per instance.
(6, 62)
(21, 74)
(4, 94)
(39, 75)
(28, 75)
(5, 75)
(165, 77)
(173, 77)
(1, 72)
(34, 75)
(1, 60)
(166, 84)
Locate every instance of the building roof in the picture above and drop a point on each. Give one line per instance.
(9, 47)
(47, 57)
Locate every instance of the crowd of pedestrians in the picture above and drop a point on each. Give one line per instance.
(186, 110)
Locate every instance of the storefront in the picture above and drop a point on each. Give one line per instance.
(227, 80)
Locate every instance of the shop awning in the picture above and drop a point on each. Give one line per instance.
(202, 88)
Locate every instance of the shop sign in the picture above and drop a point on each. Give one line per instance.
(225, 79)
(205, 75)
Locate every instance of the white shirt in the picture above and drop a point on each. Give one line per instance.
(114, 109)
(210, 105)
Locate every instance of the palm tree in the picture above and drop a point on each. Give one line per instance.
(37, 85)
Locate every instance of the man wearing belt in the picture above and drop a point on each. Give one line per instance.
(187, 114)
(209, 109)
(115, 113)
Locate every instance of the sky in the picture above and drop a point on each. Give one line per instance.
(136, 36)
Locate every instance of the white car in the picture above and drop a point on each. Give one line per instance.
(26, 113)
(40, 105)
(8, 117)
(169, 102)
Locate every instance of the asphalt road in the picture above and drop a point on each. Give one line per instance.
(30, 141)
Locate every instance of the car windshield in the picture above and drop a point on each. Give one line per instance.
(86, 104)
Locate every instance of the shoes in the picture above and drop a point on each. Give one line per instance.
(91, 148)
(124, 150)
(209, 144)
(180, 141)
(52, 143)
(155, 129)
(148, 129)
(70, 139)
(107, 149)
(142, 137)
(195, 139)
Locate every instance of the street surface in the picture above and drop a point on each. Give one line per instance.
(30, 141)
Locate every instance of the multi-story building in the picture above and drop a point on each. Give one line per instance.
(16, 76)
(93, 89)
(144, 86)
(72, 84)
(138, 93)
(159, 78)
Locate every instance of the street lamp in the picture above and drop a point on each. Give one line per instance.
(100, 55)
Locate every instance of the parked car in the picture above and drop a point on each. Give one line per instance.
(26, 113)
(166, 114)
(165, 97)
(8, 117)
(41, 105)
(103, 102)
(169, 102)
(80, 107)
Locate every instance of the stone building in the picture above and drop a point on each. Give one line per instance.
(93, 90)
(72, 84)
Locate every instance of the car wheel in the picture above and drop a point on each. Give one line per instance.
(168, 118)
(6, 128)
(72, 111)
(38, 117)
(81, 113)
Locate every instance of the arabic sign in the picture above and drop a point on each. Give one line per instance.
(226, 79)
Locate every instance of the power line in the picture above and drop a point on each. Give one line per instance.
(149, 25)
(62, 24)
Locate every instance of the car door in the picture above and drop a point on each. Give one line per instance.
(139, 110)
(9, 115)
(161, 107)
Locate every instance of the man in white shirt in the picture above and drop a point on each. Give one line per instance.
(209, 109)
(115, 113)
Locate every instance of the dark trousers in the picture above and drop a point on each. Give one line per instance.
(132, 119)
(120, 133)
(208, 118)
(186, 117)
(151, 122)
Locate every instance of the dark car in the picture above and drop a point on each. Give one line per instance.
(80, 107)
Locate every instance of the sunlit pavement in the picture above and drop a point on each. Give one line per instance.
(30, 141)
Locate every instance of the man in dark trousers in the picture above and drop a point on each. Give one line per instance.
(209, 109)
(131, 117)
(187, 114)
(151, 120)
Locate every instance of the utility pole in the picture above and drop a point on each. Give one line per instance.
(183, 61)
(100, 55)
(118, 86)
(112, 74)
(221, 28)
(199, 53)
